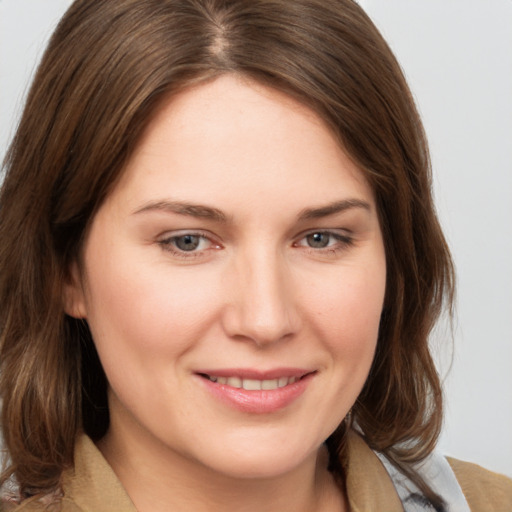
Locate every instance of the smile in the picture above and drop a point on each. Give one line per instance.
(253, 384)
(257, 392)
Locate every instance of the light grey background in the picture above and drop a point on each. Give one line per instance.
(457, 55)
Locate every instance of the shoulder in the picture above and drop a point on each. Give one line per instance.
(90, 484)
(44, 504)
(484, 490)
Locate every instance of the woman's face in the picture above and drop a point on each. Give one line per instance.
(233, 283)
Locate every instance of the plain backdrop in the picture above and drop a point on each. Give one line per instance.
(457, 56)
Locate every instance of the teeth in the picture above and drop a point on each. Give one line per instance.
(251, 385)
(283, 381)
(254, 384)
(234, 382)
(269, 384)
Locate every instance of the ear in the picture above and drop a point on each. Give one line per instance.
(73, 296)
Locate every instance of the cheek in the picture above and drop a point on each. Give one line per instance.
(347, 313)
(351, 304)
(143, 309)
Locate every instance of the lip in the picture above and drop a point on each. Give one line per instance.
(258, 401)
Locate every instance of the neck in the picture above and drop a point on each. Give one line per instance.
(158, 479)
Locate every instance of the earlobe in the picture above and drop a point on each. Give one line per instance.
(73, 294)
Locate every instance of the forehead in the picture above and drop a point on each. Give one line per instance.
(235, 135)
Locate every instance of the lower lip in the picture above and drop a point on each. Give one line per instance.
(259, 401)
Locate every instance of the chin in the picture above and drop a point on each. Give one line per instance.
(258, 460)
(248, 468)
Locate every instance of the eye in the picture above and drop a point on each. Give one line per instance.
(319, 240)
(187, 244)
(328, 240)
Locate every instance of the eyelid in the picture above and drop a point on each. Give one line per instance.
(336, 232)
(176, 233)
(165, 242)
(343, 237)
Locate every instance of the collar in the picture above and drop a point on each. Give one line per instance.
(93, 486)
(368, 484)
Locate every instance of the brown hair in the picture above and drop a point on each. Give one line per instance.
(108, 67)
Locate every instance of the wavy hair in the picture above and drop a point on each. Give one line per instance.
(108, 68)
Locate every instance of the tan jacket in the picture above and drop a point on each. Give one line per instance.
(93, 487)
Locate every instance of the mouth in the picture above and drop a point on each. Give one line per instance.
(257, 392)
(253, 384)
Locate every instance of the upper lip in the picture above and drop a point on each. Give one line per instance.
(251, 373)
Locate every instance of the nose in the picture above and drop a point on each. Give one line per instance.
(262, 307)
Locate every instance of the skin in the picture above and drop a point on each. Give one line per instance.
(259, 291)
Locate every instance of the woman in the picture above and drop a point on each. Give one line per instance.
(220, 266)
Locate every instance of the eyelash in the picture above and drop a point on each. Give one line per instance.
(342, 242)
(168, 245)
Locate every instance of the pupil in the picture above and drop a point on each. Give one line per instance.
(187, 242)
(318, 240)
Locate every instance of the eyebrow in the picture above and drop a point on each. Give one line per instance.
(208, 212)
(181, 208)
(333, 208)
